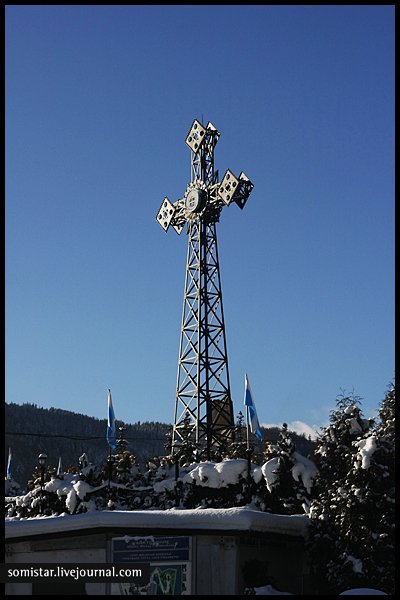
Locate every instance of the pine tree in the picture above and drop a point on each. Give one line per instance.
(342, 512)
(270, 451)
(373, 506)
(125, 463)
(187, 449)
(286, 488)
(238, 448)
(288, 492)
(168, 440)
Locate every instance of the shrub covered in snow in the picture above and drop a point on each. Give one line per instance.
(207, 484)
(11, 487)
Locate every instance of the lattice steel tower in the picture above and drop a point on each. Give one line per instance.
(203, 398)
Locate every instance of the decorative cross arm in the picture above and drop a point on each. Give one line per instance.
(204, 197)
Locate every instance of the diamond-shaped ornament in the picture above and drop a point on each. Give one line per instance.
(165, 214)
(228, 187)
(178, 228)
(245, 187)
(195, 136)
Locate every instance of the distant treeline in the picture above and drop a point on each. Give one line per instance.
(30, 430)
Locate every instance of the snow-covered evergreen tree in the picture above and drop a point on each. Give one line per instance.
(288, 477)
(348, 540)
(188, 448)
(373, 474)
(238, 448)
(285, 487)
(125, 467)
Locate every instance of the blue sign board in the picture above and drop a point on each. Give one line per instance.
(170, 564)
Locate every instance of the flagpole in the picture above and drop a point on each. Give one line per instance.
(247, 428)
(248, 451)
(111, 437)
(109, 469)
(247, 413)
(60, 472)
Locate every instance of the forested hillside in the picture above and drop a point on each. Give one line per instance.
(30, 430)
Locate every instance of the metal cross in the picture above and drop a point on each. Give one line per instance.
(203, 405)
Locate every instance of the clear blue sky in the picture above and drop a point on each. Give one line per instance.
(99, 100)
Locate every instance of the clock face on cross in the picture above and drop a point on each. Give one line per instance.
(196, 199)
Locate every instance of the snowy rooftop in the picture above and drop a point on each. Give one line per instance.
(204, 520)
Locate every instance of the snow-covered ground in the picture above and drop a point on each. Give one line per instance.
(363, 592)
(268, 590)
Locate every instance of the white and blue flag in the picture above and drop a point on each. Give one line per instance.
(248, 401)
(9, 472)
(111, 430)
(60, 471)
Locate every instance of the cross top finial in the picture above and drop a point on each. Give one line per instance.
(204, 197)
